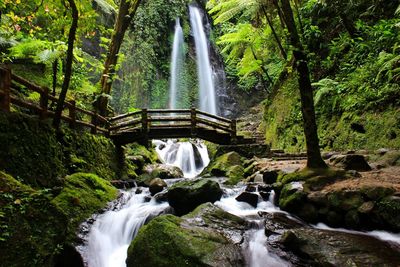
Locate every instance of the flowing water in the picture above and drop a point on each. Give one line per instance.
(177, 58)
(207, 96)
(190, 157)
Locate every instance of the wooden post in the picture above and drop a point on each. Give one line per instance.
(5, 87)
(233, 133)
(72, 114)
(44, 102)
(93, 130)
(193, 122)
(145, 127)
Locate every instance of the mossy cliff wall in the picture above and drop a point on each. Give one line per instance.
(32, 152)
(355, 129)
(49, 183)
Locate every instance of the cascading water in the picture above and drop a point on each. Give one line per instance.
(176, 65)
(190, 157)
(207, 95)
(111, 234)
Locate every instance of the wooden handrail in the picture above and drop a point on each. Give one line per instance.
(8, 80)
(142, 121)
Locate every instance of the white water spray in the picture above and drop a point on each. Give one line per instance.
(176, 65)
(190, 157)
(112, 233)
(207, 95)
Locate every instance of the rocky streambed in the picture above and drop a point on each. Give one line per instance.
(225, 228)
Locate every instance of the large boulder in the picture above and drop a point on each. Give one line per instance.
(187, 195)
(208, 236)
(332, 248)
(162, 171)
(157, 185)
(350, 162)
(249, 198)
(221, 165)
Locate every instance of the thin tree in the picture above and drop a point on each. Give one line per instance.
(314, 159)
(68, 64)
(126, 12)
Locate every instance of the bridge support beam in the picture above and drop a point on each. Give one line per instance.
(193, 131)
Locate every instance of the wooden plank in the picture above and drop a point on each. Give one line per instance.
(125, 124)
(214, 125)
(171, 127)
(162, 111)
(26, 83)
(123, 116)
(24, 104)
(169, 119)
(213, 116)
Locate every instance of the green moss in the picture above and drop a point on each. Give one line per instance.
(235, 174)
(314, 177)
(83, 195)
(32, 230)
(90, 153)
(388, 209)
(30, 150)
(149, 155)
(291, 199)
(221, 165)
(163, 242)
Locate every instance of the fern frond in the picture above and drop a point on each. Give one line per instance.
(108, 6)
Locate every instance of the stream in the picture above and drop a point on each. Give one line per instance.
(110, 235)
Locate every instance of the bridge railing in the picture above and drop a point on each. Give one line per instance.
(41, 103)
(145, 119)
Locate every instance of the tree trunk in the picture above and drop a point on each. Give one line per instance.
(278, 41)
(127, 10)
(68, 67)
(349, 26)
(55, 68)
(314, 159)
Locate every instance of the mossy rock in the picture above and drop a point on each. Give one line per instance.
(292, 196)
(147, 155)
(221, 165)
(388, 210)
(83, 195)
(235, 174)
(187, 195)
(314, 178)
(197, 239)
(32, 229)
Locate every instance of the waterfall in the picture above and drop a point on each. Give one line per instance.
(112, 233)
(207, 95)
(190, 157)
(176, 65)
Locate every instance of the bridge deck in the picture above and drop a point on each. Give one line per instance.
(145, 125)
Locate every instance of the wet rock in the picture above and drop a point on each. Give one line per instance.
(249, 198)
(351, 162)
(234, 174)
(208, 236)
(278, 222)
(265, 191)
(333, 248)
(220, 166)
(163, 171)
(251, 188)
(187, 195)
(157, 185)
(69, 256)
(123, 184)
(270, 177)
(161, 196)
(366, 207)
(388, 210)
(382, 151)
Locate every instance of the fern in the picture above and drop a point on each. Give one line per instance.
(325, 87)
(108, 6)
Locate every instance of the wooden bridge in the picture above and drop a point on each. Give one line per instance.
(140, 126)
(143, 125)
